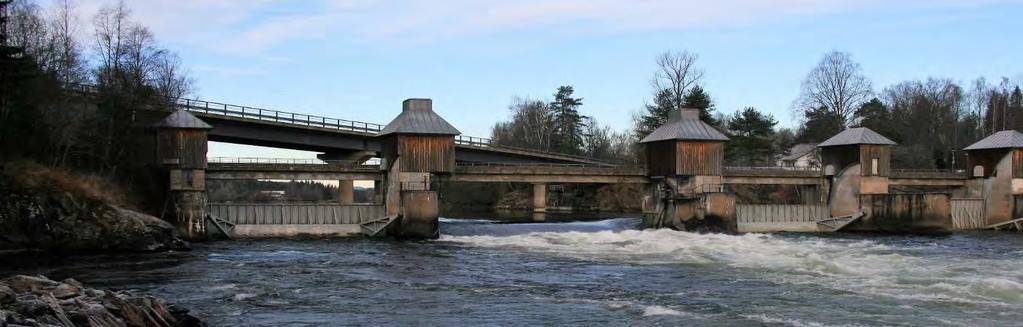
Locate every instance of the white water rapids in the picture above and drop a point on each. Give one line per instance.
(860, 266)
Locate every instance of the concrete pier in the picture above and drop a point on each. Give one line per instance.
(539, 201)
(346, 192)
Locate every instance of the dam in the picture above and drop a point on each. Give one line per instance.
(685, 184)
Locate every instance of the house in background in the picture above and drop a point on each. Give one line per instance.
(800, 155)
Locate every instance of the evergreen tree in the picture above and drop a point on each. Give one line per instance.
(656, 115)
(697, 98)
(876, 116)
(821, 124)
(568, 137)
(752, 138)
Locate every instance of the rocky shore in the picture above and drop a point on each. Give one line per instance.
(58, 214)
(37, 301)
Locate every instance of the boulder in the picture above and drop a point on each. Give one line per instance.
(65, 223)
(39, 301)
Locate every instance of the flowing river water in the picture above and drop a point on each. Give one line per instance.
(598, 273)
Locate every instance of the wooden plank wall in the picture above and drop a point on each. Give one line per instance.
(186, 145)
(968, 214)
(700, 158)
(427, 153)
(1017, 163)
(661, 158)
(882, 152)
(294, 214)
(779, 213)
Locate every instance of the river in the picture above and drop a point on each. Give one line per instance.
(598, 273)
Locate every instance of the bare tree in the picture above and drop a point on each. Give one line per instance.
(676, 74)
(169, 79)
(111, 29)
(67, 60)
(838, 84)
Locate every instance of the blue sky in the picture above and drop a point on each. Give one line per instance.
(358, 59)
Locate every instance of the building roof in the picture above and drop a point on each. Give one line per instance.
(1002, 140)
(417, 117)
(798, 150)
(685, 125)
(182, 119)
(858, 135)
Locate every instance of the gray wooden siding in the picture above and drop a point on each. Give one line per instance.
(968, 214)
(779, 213)
(294, 214)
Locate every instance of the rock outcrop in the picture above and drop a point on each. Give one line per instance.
(38, 301)
(65, 223)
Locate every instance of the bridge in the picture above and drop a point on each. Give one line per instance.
(341, 139)
(685, 183)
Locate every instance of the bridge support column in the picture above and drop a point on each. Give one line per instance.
(346, 192)
(539, 201)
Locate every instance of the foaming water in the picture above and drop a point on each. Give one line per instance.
(603, 272)
(862, 266)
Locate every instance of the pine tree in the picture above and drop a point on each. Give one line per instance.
(697, 98)
(656, 115)
(752, 137)
(568, 137)
(821, 124)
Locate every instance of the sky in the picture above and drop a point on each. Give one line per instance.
(358, 59)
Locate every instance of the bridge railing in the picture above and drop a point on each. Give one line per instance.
(480, 142)
(928, 173)
(771, 171)
(230, 110)
(289, 161)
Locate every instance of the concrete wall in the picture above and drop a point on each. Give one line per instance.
(844, 198)
(419, 215)
(998, 200)
(905, 213)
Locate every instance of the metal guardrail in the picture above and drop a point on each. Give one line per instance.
(771, 168)
(480, 142)
(289, 161)
(230, 110)
(544, 165)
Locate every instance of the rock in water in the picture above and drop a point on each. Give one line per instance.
(39, 301)
(64, 223)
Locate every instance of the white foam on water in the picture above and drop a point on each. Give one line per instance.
(656, 310)
(785, 321)
(243, 296)
(858, 266)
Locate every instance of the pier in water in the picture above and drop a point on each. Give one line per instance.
(598, 272)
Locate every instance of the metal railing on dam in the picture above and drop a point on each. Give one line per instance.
(773, 171)
(295, 213)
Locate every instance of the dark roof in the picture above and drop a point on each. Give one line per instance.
(1001, 140)
(858, 135)
(417, 117)
(182, 119)
(685, 125)
(799, 150)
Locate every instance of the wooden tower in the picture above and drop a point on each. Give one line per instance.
(181, 143)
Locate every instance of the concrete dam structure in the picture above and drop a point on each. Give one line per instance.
(686, 184)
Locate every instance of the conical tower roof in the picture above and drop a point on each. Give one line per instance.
(417, 117)
(1002, 140)
(182, 119)
(685, 125)
(858, 135)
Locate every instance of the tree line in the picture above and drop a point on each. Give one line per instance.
(43, 118)
(932, 119)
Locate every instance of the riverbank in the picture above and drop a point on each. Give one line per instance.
(48, 210)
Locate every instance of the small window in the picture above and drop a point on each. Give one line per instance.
(873, 167)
